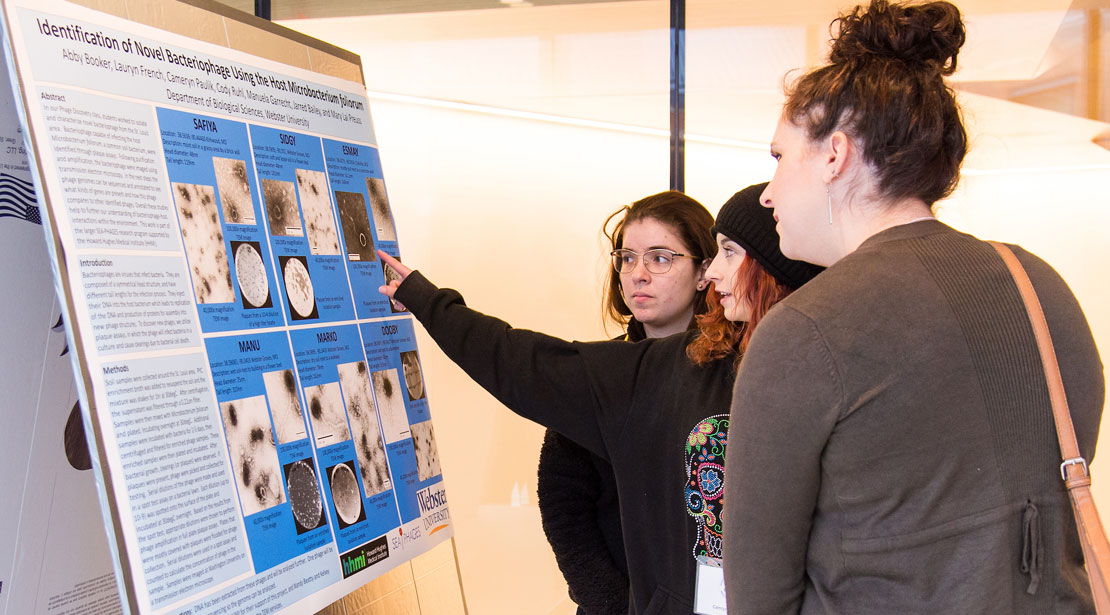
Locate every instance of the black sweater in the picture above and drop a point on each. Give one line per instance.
(660, 420)
(580, 512)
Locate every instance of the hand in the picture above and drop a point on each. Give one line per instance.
(391, 288)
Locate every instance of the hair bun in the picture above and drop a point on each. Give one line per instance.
(928, 34)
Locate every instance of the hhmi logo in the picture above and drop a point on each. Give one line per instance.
(433, 508)
(364, 556)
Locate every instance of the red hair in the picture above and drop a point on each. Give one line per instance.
(721, 337)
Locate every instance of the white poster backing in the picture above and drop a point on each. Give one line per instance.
(208, 212)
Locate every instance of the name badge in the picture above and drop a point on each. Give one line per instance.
(709, 590)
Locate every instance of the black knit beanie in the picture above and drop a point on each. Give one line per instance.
(744, 220)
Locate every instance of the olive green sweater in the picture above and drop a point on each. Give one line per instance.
(893, 449)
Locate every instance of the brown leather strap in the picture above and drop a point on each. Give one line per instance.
(1092, 535)
(1096, 548)
(1065, 431)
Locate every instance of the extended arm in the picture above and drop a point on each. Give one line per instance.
(578, 389)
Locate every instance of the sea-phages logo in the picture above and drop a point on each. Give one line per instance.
(433, 508)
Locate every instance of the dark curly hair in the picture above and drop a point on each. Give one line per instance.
(884, 87)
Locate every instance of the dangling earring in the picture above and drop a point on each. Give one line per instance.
(829, 194)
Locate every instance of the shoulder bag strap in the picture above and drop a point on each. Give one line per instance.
(1077, 478)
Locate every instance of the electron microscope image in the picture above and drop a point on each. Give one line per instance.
(390, 275)
(369, 449)
(281, 208)
(312, 187)
(298, 287)
(379, 204)
(235, 190)
(250, 272)
(391, 405)
(427, 457)
(414, 379)
(304, 495)
(357, 238)
(345, 494)
(285, 405)
(204, 243)
(325, 410)
(250, 441)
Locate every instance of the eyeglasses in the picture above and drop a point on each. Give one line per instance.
(658, 260)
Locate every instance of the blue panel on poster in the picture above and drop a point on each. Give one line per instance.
(365, 221)
(346, 432)
(398, 381)
(267, 440)
(302, 226)
(212, 176)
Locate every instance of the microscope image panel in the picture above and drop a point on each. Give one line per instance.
(312, 187)
(369, 446)
(358, 239)
(282, 211)
(325, 410)
(427, 455)
(234, 190)
(285, 405)
(204, 242)
(254, 458)
(379, 205)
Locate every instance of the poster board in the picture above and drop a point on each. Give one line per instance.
(54, 561)
(255, 410)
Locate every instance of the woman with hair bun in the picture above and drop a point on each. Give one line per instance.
(893, 448)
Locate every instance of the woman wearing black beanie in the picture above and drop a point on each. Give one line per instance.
(657, 410)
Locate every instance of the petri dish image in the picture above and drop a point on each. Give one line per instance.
(344, 492)
(414, 381)
(304, 496)
(251, 274)
(298, 285)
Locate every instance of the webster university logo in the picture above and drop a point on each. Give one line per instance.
(433, 507)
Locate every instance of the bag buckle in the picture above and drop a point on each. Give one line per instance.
(1074, 461)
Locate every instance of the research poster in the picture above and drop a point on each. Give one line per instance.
(257, 422)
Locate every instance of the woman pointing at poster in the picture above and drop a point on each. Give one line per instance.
(657, 410)
(661, 245)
